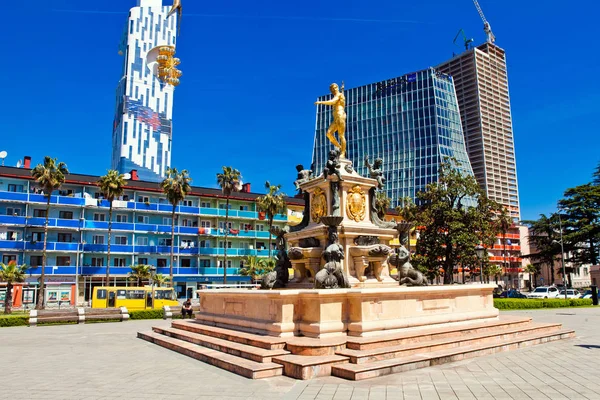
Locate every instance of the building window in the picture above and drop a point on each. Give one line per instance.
(187, 222)
(205, 204)
(36, 261)
(205, 263)
(15, 188)
(223, 206)
(98, 239)
(122, 240)
(221, 263)
(205, 243)
(119, 262)
(97, 262)
(243, 208)
(15, 212)
(586, 272)
(37, 213)
(186, 262)
(7, 258)
(9, 235)
(65, 237)
(222, 225)
(167, 221)
(164, 242)
(142, 219)
(187, 243)
(37, 236)
(65, 214)
(141, 241)
(260, 245)
(205, 224)
(143, 199)
(188, 203)
(122, 218)
(142, 261)
(260, 227)
(63, 261)
(221, 244)
(99, 217)
(161, 262)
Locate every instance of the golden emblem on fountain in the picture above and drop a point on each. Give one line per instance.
(338, 105)
(167, 65)
(356, 207)
(318, 207)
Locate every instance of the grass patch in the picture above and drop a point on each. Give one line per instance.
(529, 304)
(13, 320)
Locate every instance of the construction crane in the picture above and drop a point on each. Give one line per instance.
(487, 28)
(467, 42)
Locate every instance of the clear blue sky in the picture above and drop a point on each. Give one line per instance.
(252, 71)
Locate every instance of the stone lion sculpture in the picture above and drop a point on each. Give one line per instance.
(407, 274)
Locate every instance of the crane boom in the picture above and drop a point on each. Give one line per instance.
(487, 28)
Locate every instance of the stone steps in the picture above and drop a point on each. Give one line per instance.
(415, 361)
(238, 365)
(421, 334)
(308, 367)
(426, 346)
(248, 352)
(250, 339)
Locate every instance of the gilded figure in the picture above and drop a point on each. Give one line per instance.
(338, 104)
(177, 7)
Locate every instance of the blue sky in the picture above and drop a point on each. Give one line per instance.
(252, 70)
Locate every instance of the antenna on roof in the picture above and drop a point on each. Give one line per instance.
(3, 155)
(19, 164)
(127, 176)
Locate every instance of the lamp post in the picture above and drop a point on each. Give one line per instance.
(480, 251)
(562, 254)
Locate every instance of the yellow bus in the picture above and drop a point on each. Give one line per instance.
(133, 298)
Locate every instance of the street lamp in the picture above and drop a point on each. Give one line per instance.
(562, 254)
(480, 251)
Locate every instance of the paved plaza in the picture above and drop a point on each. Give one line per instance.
(107, 361)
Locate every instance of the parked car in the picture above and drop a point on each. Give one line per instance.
(586, 295)
(544, 292)
(511, 294)
(571, 294)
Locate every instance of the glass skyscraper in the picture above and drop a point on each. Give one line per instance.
(412, 122)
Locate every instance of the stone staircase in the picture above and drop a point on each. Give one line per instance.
(355, 358)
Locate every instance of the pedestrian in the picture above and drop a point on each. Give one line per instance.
(187, 308)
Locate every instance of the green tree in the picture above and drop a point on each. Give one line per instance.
(382, 204)
(580, 214)
(495, 271)
(11, 274)
(544, 233)
(175, 186)
(255, 267)
(596, 176)
(453, 216)
(140, 273)
(271, 204)
(112, 185)
(230, 180)
(160, 280)
(50, 176)
(532, 270)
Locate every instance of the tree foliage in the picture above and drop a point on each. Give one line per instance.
(11, 273)
(452, 216)
(140, 273)
(543, 235)
(255, 267)
(230, 180)
(272, 203)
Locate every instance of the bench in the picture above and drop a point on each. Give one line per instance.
(78, 315)
(170, 312)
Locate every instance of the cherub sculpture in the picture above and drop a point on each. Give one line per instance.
(332, 166)
(304, 175)
(407, 274)
(376, 171)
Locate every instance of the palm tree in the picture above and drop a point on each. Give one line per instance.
(504, 223)
(230, 181)
(140, 273)
(112, 185)
(175, 186)
(50, 176)
(11, 273)
(160, 279)
(271, 204)
(255, 267)
(532, 271)
(495, 270)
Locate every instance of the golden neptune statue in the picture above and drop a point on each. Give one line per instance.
(338, 105)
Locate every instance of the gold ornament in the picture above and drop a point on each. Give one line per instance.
(338, 105)
(167, 71)
(318, 207)
(356, 204)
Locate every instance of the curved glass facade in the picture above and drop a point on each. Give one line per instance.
(412, 122)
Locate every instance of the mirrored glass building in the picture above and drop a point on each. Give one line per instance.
(412, 122)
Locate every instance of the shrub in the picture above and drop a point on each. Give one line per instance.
(146, 314)
(525, 304)
(14, 320)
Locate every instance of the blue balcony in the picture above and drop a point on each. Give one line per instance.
(13, 196)
(103, 248)
(102, 270)
(53, 222)
(52, 246)
(96, 225)
(187, 230)
(12, 245)
(53, 270)
(122, 226)
(210, 211)
(189, 210)
(165, 208)
(10, 220)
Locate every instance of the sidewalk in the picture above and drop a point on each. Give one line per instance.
(107, 360)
